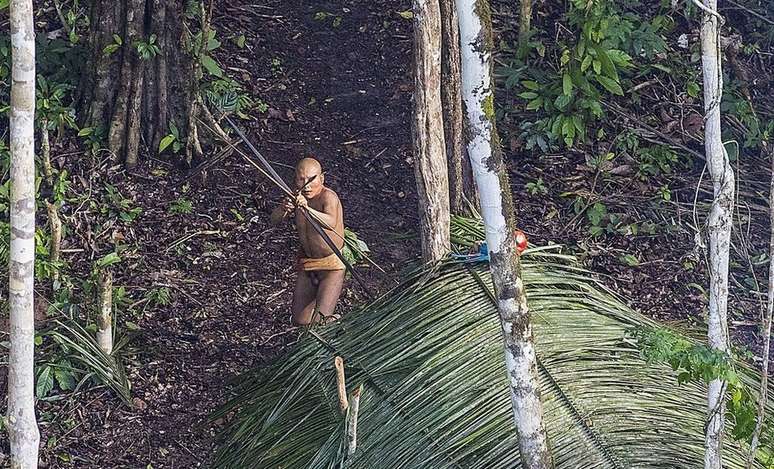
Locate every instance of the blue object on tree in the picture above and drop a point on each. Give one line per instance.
(481, 256)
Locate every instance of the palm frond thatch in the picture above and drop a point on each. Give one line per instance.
(429, 356)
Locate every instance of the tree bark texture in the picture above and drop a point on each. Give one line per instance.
(497, 210)
(430, 168)
(462, 187)
(105, 319)
(720, 223)
(132, 99)
(525, 22)
(23, 431)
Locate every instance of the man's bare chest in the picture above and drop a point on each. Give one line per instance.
(302, 223)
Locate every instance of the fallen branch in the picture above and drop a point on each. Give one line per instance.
(338, 362)
(352, 421)
(105, 319)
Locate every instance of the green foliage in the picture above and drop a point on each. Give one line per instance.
(57, 64)
(115, 205)
(240, 41)
(181, 205)
(113, 46)
(567, 93)
(93, 138)
(323, 16)
(229, 95)
(735, 104)
(656, 159)
(159, 296)
(204, 50)
(355, 249)
(171, 140)
(587, 70)
(75, 19)
(76, 357)
(211, 66)
(276, 67)
(147, 50)
(698, 363)
(652, 160)
(537, 187)
(50, 109)
(602, 221)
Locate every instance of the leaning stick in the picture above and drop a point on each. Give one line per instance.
(342, 386)
(352, 421)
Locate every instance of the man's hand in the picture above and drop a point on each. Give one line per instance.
(283, 210)
(301, 201)
(287, 205)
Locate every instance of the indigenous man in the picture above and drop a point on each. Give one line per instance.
(320, 271)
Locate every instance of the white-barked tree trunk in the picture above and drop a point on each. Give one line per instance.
(22, 427)
(720, 223)
(430, 168)
(497, 210)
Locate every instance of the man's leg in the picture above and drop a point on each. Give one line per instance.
(328, 291)
(303, 299)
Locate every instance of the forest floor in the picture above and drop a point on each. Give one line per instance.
(341, 93)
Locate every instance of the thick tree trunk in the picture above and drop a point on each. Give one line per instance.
(430, 166)
(462, 187)
(23, 431)
(497, 210)
(133, 100)
(720, 223)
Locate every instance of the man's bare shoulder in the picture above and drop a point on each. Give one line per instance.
(330, 196)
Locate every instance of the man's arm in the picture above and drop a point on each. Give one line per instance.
(328, 215)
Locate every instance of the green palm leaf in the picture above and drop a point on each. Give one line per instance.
(429, 355)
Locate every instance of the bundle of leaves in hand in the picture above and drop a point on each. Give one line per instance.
(355, 250)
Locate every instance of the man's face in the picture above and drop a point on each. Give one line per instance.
(309, 181)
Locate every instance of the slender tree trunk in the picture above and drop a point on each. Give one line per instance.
(55, 247)
(462, 187)
(720, 223)
(525, 24)
(22, 427)
(430, 166)
(766, 323)
(105, 322)
(497, 210)
(45, 150)
(134, 100)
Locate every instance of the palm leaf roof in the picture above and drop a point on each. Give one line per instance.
(429, 356)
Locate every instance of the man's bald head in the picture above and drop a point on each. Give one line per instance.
(309, 177)
(309, 164)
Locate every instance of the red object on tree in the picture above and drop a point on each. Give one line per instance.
(521, 241)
